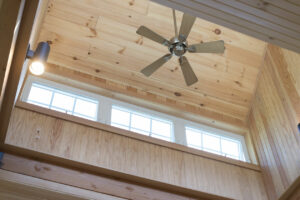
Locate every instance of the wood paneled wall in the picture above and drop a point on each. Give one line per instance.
(65, 139)
(274, 118)
(274, 21)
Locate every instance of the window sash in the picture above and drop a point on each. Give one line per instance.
(139, 130)
(60, 109)
(221, 138)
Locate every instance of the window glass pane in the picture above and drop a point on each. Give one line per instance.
(193, 138)
(120, 117)
(233, 157)
(214, 143)
(84, 116)
(230, 147)
(140, 131)
(140, 122)
(62, 101)
(60, 110)
(161, 128)
(120, 126)
(40, 95)
(211, 142)
(161, 137)
(212, 151)
(86, 108)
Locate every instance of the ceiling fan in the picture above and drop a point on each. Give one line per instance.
(178, 46)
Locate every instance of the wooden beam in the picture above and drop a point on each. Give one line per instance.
(18, 186)
(10, 13)
(17, 65)
(276, 22)
(86, 181)
(84, 177)
(293, 192)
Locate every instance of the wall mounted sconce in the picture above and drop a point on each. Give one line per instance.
(39, 58)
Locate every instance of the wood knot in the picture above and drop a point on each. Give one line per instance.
(217, 31)
(129, 188)
(238, 83)
(262, 4)
(139, 41)
(131, 3)
(75, 58)
(97, 70)
(177, 94)
(122, 50)
(37, 168)
(94, 32)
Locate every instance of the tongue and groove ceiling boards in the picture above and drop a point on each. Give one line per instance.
(273, 21)
(95, 42)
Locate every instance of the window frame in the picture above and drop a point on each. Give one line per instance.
(222, 134)
(60, 89)
(147, 114)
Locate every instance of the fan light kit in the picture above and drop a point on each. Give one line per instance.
(178, 46)
(39, 58)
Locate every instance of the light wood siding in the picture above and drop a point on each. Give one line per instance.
(274, 21)
(274, 118)
(104, 149)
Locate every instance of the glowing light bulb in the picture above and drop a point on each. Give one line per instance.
(37, 68)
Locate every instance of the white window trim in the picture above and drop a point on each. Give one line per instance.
(146, 113)
(226, 136)
(56, 89)
(104, 113)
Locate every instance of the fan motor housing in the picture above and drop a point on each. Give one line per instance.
(178, 47)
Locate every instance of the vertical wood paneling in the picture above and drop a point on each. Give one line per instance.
(274, 21)
(108, 150)
(273, 120)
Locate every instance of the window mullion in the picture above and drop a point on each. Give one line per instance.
(52, 97)
(150, 127)
(130, 115)
(75, 101)
(221, 151)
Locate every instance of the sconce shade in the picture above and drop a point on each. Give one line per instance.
(39, 58)
(42, 52)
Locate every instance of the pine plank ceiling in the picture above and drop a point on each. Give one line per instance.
(97, 40)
